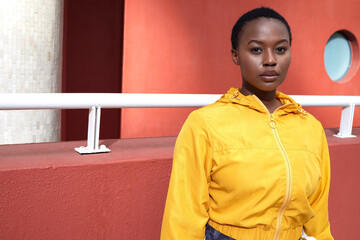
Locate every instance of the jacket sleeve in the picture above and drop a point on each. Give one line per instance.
(187, 203)
(319, 226)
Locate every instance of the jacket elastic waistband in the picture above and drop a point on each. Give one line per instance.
(256, 233)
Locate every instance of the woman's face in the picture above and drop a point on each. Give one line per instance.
(263, 53)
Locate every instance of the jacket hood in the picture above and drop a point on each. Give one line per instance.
(233, 95)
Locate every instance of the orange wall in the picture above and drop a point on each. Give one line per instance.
(48, 191)
(184, 47)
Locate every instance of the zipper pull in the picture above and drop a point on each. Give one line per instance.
(272, 122)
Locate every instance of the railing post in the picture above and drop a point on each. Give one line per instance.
(346, 122)
(91, 128)
(93, 133)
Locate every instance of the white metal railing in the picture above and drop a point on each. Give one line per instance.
(96, 101)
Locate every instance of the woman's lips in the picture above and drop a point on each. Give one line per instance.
(269, 76)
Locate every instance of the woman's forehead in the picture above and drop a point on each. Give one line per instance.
(264, 29)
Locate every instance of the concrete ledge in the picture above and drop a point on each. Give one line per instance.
(48, 191)
(344, 200)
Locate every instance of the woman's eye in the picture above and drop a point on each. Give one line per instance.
(281, 49)
(256, 50)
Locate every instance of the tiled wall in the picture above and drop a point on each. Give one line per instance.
(30, 62)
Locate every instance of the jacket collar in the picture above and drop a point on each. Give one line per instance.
(233, 95)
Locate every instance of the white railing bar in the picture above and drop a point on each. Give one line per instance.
(96, 101)
(21, 101)
(326, 100)
(105, 100)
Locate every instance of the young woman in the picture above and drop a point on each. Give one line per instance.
(253, 165)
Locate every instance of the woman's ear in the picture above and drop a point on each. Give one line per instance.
(235, 56)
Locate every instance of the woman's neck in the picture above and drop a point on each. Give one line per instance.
(268, 98)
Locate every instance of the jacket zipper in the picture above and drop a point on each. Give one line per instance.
(273, 126)
(288, 178)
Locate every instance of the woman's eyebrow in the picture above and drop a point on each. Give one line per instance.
(255, 41)
(261, 42)
(283, 40)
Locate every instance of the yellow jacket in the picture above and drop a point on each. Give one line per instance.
(248, 173)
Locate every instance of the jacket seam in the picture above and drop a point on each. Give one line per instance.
(269, 148)
(304, 150)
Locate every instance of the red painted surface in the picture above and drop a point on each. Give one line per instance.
(184, 47)
(48, 191)
(344, 202)
(92, 61)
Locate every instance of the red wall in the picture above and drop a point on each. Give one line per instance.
(92, 61)
(184, 47)
(48, 191)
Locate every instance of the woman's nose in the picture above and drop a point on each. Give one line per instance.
(269, 58)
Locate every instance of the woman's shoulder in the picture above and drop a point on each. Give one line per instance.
(213, 111)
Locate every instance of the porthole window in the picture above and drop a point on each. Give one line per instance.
(338, 55)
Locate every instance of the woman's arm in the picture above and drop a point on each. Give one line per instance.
(319, 226)
(187, 203)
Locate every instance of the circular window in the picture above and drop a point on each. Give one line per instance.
(338, 55)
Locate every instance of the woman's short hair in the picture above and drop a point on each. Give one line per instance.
(254, 14)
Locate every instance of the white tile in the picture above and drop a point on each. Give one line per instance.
(31, 29)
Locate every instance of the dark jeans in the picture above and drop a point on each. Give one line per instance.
(212, 234)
